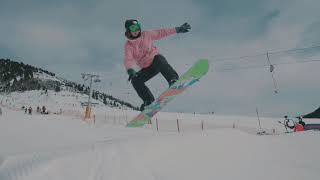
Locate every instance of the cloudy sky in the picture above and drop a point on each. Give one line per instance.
(69, 37)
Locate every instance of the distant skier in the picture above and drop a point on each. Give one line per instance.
(43, 110)
(0, 111)
(288, 122)
(140, 50)
(30, 110)
(293, 124)
(301, 121)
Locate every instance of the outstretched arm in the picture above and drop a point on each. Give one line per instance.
(160, 33)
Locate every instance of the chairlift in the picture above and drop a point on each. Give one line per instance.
(271, 68)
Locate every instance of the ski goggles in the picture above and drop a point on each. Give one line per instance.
(135, 27)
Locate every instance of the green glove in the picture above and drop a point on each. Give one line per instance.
(132, 74)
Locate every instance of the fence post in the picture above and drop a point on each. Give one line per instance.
(157, 124)
(202, 125)
(178, 126)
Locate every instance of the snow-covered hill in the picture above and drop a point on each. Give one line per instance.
(53, 101)
(57, 147)
(65, 102)
(18, 77)
(64, 147)
(60, 145)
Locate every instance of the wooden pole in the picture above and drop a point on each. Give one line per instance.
(157, 124)
(202, 125)
(178, 126)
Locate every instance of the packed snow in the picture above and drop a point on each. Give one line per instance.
(64, 146)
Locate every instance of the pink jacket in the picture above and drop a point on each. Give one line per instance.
(141, 51)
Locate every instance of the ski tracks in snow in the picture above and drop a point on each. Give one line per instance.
(115, 162)
(109, 159)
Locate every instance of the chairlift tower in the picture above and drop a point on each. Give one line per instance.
(93, 78)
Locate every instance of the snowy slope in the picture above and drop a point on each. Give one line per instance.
(45, 77)
(58, 147)
(53, 101)
(20, 77)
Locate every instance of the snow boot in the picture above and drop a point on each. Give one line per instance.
(172, 82)
(143, 105)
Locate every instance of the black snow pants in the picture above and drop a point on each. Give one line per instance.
(159, 64)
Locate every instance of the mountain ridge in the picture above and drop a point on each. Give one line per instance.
(20, 77)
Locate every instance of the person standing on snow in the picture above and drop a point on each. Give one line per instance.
(296, 126)
(140, 50)
(30, 110)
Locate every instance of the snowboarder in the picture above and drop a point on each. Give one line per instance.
(140, 50)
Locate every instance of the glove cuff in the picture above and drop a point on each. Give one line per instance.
(131, 72)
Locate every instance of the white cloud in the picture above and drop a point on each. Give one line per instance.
(43, 36)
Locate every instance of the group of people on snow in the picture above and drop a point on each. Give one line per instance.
(296, 124)
(42, 110)
(28, 110)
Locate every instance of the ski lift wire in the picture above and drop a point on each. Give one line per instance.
(263, 66)
(263, 54)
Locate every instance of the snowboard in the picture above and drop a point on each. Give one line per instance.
(193, 75)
